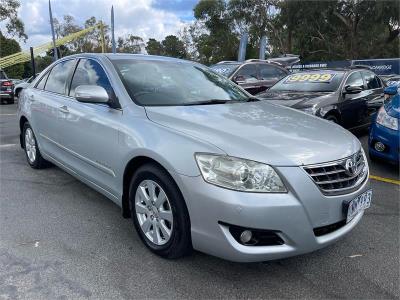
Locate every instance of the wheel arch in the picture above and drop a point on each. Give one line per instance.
(335, 113)
(22, 121)
(130, 169)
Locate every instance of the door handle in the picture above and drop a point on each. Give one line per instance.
(64, 109)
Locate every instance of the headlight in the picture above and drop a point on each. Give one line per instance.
(239, 174)
(385, 120)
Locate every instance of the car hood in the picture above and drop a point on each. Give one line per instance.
(260, 131)
(294, 99)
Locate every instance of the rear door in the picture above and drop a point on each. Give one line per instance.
(353, 107)
(46, 101)
(91, 130)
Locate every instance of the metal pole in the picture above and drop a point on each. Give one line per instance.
(112, 30)
(263, 46)
(53, 34)
(242, 47)
(33, 62)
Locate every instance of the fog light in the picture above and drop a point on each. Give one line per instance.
(379, 147)
(246, 236)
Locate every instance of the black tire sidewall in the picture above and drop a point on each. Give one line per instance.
(180, 237)
(332, 118)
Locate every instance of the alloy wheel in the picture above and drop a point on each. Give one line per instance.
(30, 145)
(153, 212)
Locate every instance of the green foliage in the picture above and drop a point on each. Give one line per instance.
(8, 47)
(130, 44)
(173, 47)
(9, 16)
(154, 47)
(317, 30)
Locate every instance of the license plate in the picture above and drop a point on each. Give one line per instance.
(358, 204)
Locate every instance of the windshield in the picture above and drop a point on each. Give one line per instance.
(319, 81)
(171, 83)
(225, 69)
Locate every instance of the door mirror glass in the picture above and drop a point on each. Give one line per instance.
(351, 89)
(91, 94)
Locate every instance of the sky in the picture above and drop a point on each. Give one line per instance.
(144, 18)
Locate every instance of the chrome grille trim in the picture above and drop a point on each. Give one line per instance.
(337, 177)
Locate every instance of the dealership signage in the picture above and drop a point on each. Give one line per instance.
(380, 66)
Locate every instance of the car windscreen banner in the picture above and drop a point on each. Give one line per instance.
(310, 77)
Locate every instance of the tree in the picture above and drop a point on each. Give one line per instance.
(130, 44)
(9, 15)
(154, 47)
(8, 47)
(173, 47)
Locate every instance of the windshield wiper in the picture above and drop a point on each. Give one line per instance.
(206, 102)
(252, 99)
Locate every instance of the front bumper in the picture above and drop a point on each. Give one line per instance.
(293, 216)
(390, 138)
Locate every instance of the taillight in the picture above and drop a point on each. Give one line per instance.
(6, 83)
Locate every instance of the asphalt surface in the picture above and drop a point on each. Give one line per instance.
(59, 239)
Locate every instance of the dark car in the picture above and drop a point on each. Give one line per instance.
(6, 88)
(253, 75)
(345, 96)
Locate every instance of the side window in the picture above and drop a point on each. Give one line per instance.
(355, 79)
(58, 77)
(90, 72)
(372, 81)
(249, 72)
(270, 72)
(40, 85)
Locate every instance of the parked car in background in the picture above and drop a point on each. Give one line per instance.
(16, 81)
(20, 86)
(195, 160)
(345, 96)
(384, 136)
(393, 79)
(253, 75)
(6, 89)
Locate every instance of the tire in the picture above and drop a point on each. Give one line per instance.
(332, 118)
(32, 152)
(145, 219)
(17, 93)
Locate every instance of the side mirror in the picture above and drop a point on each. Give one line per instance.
(238, 78)
(91, 94)
(390, 90)
(350, 89)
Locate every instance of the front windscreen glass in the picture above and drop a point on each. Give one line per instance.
(171, 83)
(225, 69)
(318, 81)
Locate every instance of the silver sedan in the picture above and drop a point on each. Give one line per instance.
(193, 159)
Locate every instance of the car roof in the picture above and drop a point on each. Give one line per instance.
(114, 56)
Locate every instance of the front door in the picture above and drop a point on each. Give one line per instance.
(90, 134)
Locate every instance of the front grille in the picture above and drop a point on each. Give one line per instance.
(341, 176)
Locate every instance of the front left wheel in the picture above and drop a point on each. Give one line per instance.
(159, 212)
(32, 152)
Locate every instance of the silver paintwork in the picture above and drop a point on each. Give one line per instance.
(95, 143)
(91, 94)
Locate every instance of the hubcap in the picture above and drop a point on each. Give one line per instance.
(30, 145)
(153, 212)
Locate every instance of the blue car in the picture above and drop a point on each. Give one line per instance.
(384, 137)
